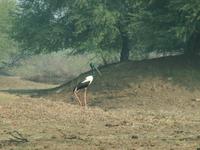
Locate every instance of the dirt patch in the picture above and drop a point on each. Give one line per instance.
(66, 126)
(140, 105)
(10, 82)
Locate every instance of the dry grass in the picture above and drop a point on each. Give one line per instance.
(134, 106)
(52, 68)
(18, 83)
(58, 125)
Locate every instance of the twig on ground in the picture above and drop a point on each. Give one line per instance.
(17, 137)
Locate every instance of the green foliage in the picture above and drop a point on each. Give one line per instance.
(171, 25)
(110, 26)
(7, 45)
(187, 27)
(84, 25)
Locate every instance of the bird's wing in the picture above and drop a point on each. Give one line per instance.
(86, 80)
(82, 85)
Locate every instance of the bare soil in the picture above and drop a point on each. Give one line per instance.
(129, 107)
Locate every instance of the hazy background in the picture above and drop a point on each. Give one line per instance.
(54, 41)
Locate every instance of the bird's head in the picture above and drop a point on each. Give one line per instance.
(94, 68)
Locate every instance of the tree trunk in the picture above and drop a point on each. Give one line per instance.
(124, 55)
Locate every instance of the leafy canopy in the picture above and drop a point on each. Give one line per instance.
(84, 25)
(170, 25)
(108, 25)
(7, 45)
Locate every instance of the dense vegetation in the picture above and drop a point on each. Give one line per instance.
(7, 45)
(101, 27)
(170, 25)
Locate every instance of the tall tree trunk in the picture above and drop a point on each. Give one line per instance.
(124, 55)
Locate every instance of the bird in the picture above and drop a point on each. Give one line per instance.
(83, 85)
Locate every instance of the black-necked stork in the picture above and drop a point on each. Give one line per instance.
(84, 85)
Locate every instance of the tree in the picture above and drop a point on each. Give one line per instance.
(7, 45)
(187, 26)
(170, 25)
(84, 25)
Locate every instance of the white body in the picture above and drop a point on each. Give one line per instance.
(83, 85)
(88, 78)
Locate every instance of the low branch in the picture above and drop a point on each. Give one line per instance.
(17, 137)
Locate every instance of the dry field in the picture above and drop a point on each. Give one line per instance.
(152, 114)
(10, 82)
(115, 124)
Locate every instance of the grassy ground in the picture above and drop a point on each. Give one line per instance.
(10, 82)
(134, 105)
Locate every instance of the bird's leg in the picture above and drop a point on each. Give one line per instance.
(76, 96)
(85, 97)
